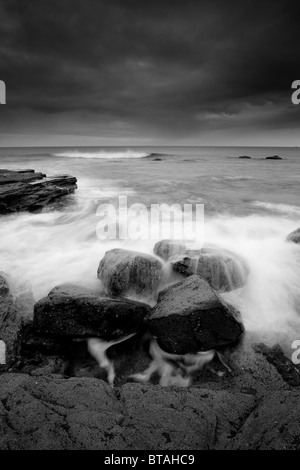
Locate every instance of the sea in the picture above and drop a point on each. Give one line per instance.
(250, 206)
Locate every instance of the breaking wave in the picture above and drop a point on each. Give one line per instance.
(102, 154)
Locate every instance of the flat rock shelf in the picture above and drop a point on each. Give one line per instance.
(27, 190)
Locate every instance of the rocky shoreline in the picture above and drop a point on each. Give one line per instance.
(26, 190)
(142, 362)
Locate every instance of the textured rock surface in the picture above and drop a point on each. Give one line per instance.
(6, 300)
(294, 236)
(189, 316)
(168, 418)
(251, 372)
(274, 425)
(25, 190)
(55, 413)
(75, 311)
(10, 325)
(130, 274)
(222, 269)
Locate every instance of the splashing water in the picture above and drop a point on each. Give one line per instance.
(53, 248)
(98, 347)
(173, 369)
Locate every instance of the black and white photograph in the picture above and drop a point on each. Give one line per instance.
(149, 228)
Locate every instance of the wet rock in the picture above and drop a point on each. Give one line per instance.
(274, 157)
(222, 269)
(6, 301)
(25, 190)
(23, 298)
(44, 355)
(8, 177)
(24, 305)
(10, 326)
(33, 343)
(251, 371)
(274, 425)
(72, 311)
(190, 316)
(245, 156)
(130, 274)
(275, 356)
(50, 366)
(165, 249)
(294, 237)
(128, 358)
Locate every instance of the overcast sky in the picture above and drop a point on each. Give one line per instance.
(137, 72)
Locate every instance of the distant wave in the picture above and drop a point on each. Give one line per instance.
(154, 154)
(285, 208)
(231, 178)
(101, 154)
(27, 155)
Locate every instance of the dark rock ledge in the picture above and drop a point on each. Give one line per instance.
(27, 190)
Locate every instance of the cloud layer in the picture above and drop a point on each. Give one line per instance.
(140, 71)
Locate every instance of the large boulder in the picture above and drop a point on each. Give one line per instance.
(130, 274)
(190, 316)
(222, 269)
(73, 311)
(25, 190)
(294, 237)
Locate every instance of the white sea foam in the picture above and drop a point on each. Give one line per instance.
(271, 296)
(283, 208)
(102, 154)
(51, 248)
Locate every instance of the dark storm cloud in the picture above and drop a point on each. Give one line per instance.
(168, 65)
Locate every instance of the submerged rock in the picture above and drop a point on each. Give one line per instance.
(165, 249)
(245, 156)
(222, 269)
(189, 317)
(25, 190)
(274, 157)
(130, 274)
(294, 236)
(73, 311)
